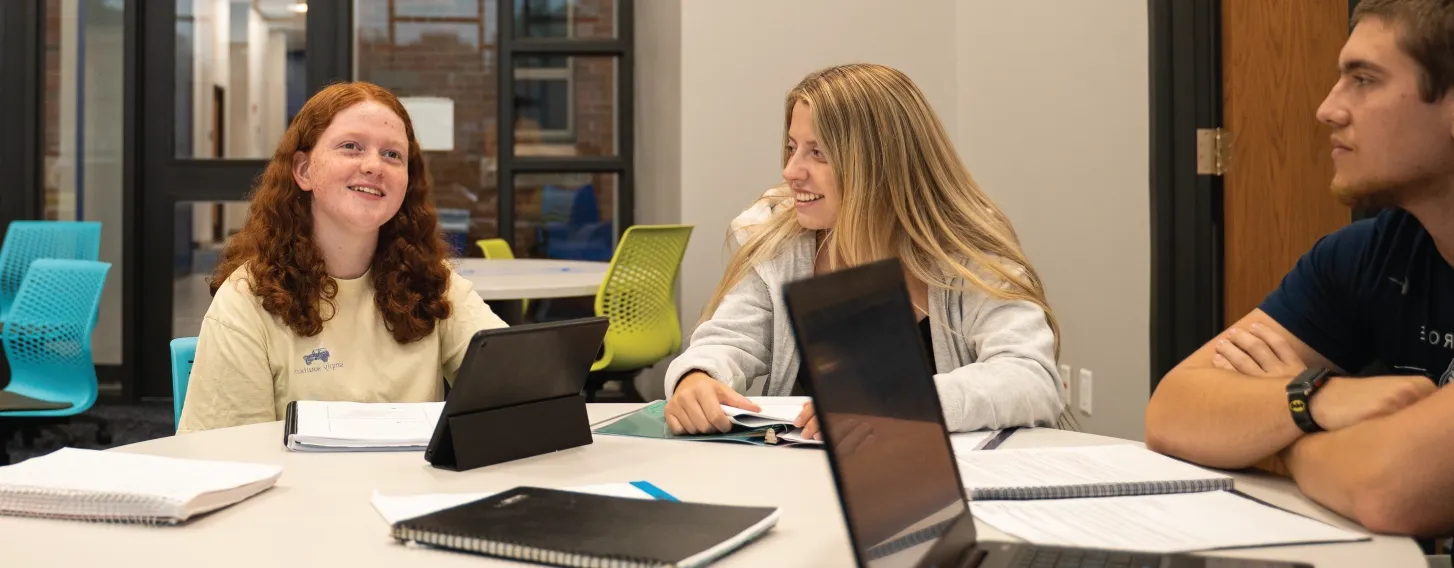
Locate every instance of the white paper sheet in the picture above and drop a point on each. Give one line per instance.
(775, 410)
(433, 119)
(395, 508)
(1182, 522)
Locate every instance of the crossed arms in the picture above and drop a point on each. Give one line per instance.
(1383, 460)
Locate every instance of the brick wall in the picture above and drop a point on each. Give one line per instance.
(454, 57)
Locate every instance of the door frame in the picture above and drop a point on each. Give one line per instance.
(156, 180)
(22, 66)
(1186, 208)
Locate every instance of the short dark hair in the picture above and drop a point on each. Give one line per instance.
(1426, 33)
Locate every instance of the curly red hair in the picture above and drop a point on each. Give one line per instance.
(285, 269)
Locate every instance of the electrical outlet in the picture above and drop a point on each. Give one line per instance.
(1085, 391)
(1065, 379)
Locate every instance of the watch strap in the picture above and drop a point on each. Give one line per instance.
(1299, 398)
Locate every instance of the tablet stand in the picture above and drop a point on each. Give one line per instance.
(497, 435)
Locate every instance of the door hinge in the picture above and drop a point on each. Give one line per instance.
(1213, 150)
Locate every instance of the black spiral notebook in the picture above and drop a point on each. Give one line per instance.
(565, 528)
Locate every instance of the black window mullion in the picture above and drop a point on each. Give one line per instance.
(626, 117)
(570, 165)
(505, 122)
(329, 24)
(22, 54)
(566, 46)
(621, 164)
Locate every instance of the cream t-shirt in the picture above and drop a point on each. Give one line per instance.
(250, 365)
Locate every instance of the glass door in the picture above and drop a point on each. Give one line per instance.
(219, 81)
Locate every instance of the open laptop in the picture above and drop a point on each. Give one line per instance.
(884, 431)
(520, 365)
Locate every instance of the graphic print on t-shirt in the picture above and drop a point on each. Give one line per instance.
(318, 360)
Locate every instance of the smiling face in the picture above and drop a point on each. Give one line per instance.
(1389, 144)
(358, 171)
(808, 173)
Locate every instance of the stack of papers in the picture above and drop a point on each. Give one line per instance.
(92, 485)
(361, 426)
(1183, 522)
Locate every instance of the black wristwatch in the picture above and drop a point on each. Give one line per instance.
(1299, 397)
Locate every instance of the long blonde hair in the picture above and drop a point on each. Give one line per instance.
(905, 193)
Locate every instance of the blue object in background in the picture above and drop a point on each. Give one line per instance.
(582, 235)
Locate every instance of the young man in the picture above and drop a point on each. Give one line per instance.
(1380, 291)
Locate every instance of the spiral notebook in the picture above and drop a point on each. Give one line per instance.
(327, 426)
(1077, 472)
(90, 485)
(565, 528)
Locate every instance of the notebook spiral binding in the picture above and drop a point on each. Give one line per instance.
(515, 551)
(1100, 490)
(83, 506)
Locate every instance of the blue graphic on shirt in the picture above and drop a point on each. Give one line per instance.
(319, 354)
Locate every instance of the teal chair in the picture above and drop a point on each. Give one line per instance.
(26, 241)
(47, 339)
(184, 352)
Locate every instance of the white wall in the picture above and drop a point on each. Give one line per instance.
(1053, 122)
(733, 91)
(658, 107)
(710, 103)
(257, 47)
(1047, 103)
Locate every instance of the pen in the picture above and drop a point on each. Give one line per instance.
(999, 438)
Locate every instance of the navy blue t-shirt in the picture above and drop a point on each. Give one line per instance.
(1376, 291)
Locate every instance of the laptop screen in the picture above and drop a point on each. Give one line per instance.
(875, 397)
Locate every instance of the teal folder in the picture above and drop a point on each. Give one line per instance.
(650, 422)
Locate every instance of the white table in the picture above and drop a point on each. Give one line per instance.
(531, 278)
(319, 513)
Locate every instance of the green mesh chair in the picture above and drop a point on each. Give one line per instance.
(636, 295)
(498, 249)
(495, 248)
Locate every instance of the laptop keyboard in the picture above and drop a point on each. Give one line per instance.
(1036, 557)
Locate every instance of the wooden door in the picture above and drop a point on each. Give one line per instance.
(1279, 60)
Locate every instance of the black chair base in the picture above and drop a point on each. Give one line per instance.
(31, 429)
(628, 393)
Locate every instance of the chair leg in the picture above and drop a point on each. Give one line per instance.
(28, 434)
(103, 429)
(597, 380)
(7, 431)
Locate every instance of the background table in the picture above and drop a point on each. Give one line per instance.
(531, 278)
(319, 513)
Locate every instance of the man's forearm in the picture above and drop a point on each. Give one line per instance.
(1219, 418)
(1388, 473)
